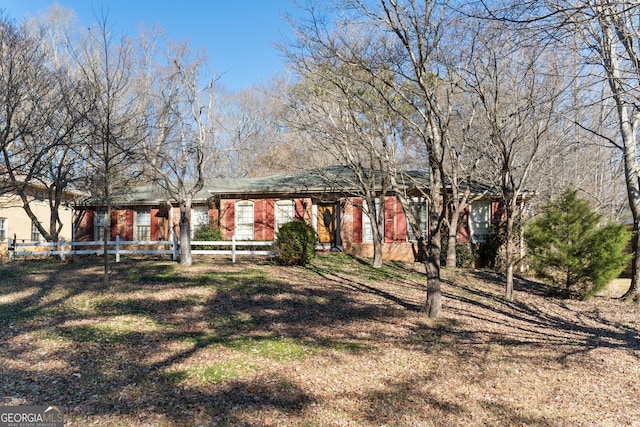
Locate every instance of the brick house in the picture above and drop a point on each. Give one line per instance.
(254, 209)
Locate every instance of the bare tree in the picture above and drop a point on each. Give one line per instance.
(517, 89)
(353, 130)
(397, 50)
(116, 123)
(41, 119)
(605, 33)
(182, 122)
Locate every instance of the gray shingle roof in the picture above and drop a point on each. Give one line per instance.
(333, 179)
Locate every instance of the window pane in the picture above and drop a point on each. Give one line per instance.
(419, 211)
(285, 212)
(143, 217)
(3, 229)
(367, 231)
(35, 234)
(244, 220)
(143, 224)
(101, 217)
(480, 221)
(199, 219)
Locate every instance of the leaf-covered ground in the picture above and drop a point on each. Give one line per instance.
(334, 344)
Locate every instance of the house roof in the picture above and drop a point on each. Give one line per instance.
(333, 179)
(325, 182)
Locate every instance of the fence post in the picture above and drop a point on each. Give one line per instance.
(117, 248)
(233, 249)
(62, 248)
(174, 247)
(11, 249)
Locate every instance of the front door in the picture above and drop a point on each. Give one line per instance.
(326, 223)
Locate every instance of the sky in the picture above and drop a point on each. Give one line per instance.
(238, 35)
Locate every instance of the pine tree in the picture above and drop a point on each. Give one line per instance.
(568, 247)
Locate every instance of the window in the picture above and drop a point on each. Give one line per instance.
(101, 219)
(420, 210)
(367, 231)
(39, 196)
(480, 221)
(143, 225)
(3, 229)
(244, 220)
(285, 212)
(35, 233)
(199, 219)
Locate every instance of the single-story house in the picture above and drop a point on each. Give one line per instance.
(254, 209)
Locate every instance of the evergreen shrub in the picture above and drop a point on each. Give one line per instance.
(296, 243)
(208, 234)
(569, 248)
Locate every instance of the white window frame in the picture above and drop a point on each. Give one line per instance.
(422, 218)
(143, 224)
(285, 212)
(99, 225)
(4, 229)
(35, 233)
(479, 221)
(244, 220)
(367, 230)
(199, 218)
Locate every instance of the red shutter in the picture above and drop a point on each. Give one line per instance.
(463, 228)
(230, 217)
(497, 212)
(401, 225)
(258, 220)
(299, 215)
(389, 219)
(85, 231)
(270, 220)
(357, 221)
(214, 217)
(155, 228)
(113, 232)
(129, 225)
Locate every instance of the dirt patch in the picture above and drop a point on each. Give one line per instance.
(337, 343)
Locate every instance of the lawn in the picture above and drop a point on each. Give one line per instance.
(334, 344)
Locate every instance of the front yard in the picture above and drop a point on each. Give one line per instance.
(334, 344)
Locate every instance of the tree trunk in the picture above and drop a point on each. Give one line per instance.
(433, 304)
(633, 293)
(105, 243)
(452, 240)
(508, 294)
(185, 233)
(508, 256)
(377, 252)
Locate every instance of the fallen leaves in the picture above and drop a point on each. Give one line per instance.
(257, 344)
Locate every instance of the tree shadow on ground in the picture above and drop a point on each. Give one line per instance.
(117, 353)
(554, 324)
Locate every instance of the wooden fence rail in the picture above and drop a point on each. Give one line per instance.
(123, 247)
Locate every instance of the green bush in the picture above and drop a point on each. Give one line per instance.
(464, 255)
(208, 234)
(489, 251)
(567, 247)
(296, 243)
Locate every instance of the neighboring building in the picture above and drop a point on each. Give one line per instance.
(254, 209)
(15, 223)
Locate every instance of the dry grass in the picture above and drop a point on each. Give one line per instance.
(335, 344)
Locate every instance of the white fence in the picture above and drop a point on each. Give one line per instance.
(122, 247)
